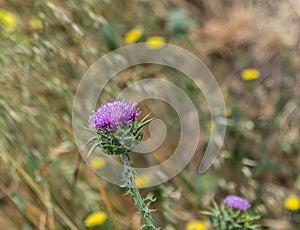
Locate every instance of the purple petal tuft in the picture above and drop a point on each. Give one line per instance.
(111, 114)
(237, 202)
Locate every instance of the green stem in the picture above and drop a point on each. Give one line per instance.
(129, 176)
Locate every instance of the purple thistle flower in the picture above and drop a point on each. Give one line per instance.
(237, 202)
(111, 114)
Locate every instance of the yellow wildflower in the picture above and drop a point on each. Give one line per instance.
(155, 42)
(196, 225)
(97, 163)
(8, 20)
(142, 180)
(36, 23)
(210, 126)
(292, 203)
(95, 219)
(247, 217)
(250, 74)
(133, 36)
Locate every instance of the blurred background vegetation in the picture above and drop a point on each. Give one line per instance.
(251, 47)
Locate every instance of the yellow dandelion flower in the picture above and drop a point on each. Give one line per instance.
(95, 219)
(196, 225)
(36, 23)
(8, 20)
(210, 126)
(250, 74)
(133, 36)
(97, 163)
(142, 180)
(155, 42)
(292, 203)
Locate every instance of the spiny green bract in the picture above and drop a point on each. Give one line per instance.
(120, 140)
(228, 218)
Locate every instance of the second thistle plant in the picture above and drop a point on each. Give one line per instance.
(232, 215)
(116, 133)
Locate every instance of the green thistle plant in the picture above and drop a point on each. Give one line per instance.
(232, 215)
(117, 133)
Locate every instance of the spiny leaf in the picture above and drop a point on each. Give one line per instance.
(147, 201)
(92, 149)
(144, 227)
(91, 140)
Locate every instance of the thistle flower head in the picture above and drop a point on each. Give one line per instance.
(111, 114)
(237, 202)
(117, 130)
